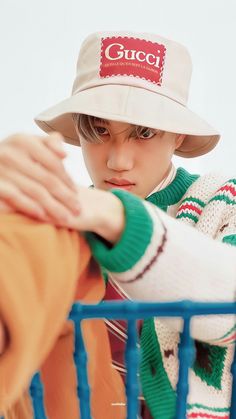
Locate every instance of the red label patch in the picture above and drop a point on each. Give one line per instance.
(123, 56)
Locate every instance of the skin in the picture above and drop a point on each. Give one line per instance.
(33, 180)
(144, 161)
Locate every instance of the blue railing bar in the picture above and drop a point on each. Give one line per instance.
(186, 357)
(37, 396)
(233, 394)
(80, 359)
(132, 361)
(139, 310)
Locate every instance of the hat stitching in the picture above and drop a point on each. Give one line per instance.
(100, 67)
(168, 96)
(131, 75)
(132, 37)
(163, 66)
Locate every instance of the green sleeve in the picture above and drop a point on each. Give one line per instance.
(134, 240)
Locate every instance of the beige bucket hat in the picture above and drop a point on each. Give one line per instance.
(138, 78)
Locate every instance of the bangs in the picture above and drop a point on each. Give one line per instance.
(85, 126)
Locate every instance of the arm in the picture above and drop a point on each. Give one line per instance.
(161, 259)
(139, 246)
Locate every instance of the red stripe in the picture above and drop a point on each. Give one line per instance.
(233, 337)
(206, 415)
(190, 207)
(228, 188)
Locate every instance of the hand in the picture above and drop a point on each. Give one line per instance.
(33, 180)
(100, 212)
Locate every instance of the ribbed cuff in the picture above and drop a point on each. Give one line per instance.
(231, 239)
(134, 240)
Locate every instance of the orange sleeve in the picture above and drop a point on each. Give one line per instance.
(40, 266)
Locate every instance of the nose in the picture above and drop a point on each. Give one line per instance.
(120, 157)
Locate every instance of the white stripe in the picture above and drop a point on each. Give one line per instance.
(112, 326)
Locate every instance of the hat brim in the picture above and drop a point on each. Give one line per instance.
(133, 105)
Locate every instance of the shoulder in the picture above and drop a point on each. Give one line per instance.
(213, 184)
(211, 199)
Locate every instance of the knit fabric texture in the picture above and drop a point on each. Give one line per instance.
(191, 263)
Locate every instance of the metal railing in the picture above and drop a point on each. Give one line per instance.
(132, 311)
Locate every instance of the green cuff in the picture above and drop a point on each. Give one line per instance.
(134, 240)
(230, 239)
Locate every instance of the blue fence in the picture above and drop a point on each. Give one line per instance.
(131, 311)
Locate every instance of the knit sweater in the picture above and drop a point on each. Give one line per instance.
(185, 253)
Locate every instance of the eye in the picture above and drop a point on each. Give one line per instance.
(101, 130)
(147, 133)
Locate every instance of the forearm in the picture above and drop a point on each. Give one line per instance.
(178, 263)
(182, 264)
(111, 224)
(206, 268)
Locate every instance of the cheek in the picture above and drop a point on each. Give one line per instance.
(165, 147)
(93, 156)
(87, 152)
(159, 152)
(155, 160)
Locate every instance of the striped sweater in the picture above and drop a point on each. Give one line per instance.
(170, 260)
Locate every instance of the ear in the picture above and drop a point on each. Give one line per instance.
(179, 140)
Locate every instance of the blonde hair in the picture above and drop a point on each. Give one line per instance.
(85, 128)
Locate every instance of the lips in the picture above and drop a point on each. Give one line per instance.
(119, 182)
(124, 184)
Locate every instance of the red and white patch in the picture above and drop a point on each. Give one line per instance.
(123, 56)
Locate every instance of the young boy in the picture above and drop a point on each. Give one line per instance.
(128, 113)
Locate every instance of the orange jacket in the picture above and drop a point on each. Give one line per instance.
(43, 270)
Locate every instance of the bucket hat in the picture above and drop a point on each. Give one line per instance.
(138, 78)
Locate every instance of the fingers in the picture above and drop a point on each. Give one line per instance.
(39, 184)
(37, 149)
(14, 199)
(5, 208)
(55, 142)
(34, 180)
(52, 204)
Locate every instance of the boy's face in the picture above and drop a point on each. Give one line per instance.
(127, 162)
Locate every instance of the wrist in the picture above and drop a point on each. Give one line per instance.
(134, 239)
(112, 223)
